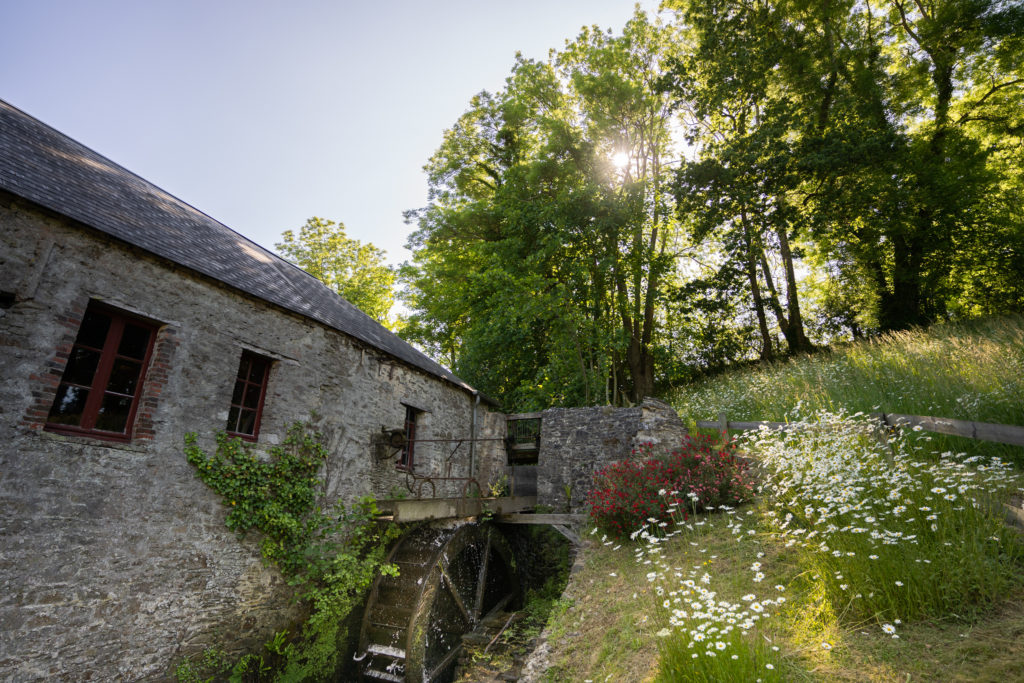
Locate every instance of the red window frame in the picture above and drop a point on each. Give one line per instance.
(99, 386)
(405, 460)
(251, 379)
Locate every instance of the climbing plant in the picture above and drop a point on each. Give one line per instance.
(330, 553)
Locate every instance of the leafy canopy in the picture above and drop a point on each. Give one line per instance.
(354, 270)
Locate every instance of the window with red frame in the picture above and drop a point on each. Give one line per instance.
(247, 399)
(405, 460)
(102, 381)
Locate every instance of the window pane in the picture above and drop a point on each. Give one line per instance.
(233, 419)
(236, 397)
(243, 414)
(252, 396)
(67, 407)
(256, 370)
(243, 366)
(93, 331)
(134, 341)
(124, 376)
(81, 366)
(247, 422)
(114, 411)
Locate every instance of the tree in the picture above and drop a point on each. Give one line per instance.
(540, 269)
(894, 119)
(354, 270)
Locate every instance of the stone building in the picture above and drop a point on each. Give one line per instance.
(127, 319)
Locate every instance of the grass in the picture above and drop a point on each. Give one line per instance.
(601, 632)
(968, 371)
(862, 560)
(865, 558)
(598, 631)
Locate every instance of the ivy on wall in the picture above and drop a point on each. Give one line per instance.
(330, 553)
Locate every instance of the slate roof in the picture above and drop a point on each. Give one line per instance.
(50, 169)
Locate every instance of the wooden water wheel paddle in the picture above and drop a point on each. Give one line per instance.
(450, 579)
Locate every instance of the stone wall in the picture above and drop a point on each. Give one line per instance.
(576, 442)
(114, 558)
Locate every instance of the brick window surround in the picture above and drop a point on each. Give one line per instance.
(248, 396)
(101, 384)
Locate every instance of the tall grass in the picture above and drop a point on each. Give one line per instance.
(888, 532)
(967, 371)
(883, 534)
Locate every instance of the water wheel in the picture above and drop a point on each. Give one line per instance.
(449, 580)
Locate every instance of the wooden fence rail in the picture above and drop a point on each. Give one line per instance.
(982, 431)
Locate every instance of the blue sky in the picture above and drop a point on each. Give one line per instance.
(262, 114)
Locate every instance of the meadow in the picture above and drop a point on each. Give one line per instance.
(864, 555)
(968, 371)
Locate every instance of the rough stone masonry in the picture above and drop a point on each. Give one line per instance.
(114, 558)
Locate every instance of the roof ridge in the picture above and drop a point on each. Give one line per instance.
(52, 170)
(139, 178)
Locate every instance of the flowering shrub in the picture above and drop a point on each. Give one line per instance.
(698, 475)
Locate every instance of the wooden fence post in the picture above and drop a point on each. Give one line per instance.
(723, 426)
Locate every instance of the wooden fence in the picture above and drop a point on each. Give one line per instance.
(982, 431)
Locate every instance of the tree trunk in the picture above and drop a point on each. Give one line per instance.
(794, 331)
(767, 351)
(641, 370)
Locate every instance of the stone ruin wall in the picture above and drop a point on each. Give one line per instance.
(576, 442)
(114, 558)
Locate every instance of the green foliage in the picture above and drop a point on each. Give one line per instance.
(207, 666)
(747, 181)
(499, 487)
(699, 475)
(888, 531)
(355, 270)
(331, 554)
(968, 371)
(277, 497)
(539, 269)
(878, 139)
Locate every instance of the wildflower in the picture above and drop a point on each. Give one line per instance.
(825, 645)
(889, 628)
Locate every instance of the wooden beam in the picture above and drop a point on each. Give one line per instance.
(537, 518)
(414, 510)
(743, 426)
(1012, 435)
(523, 416)
(982, 431)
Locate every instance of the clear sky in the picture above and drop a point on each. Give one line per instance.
(262, 114)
